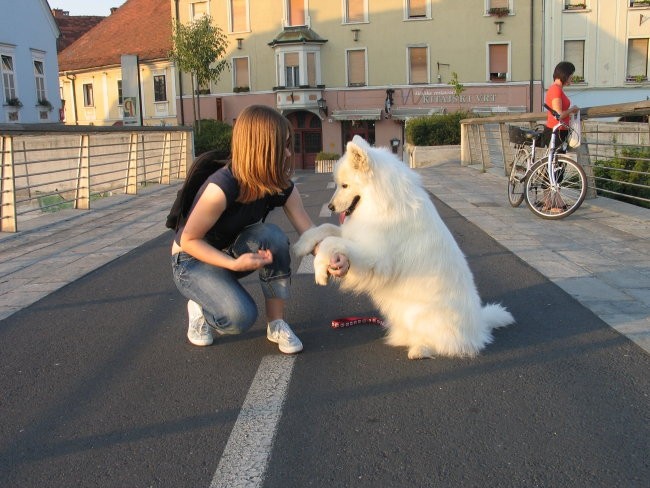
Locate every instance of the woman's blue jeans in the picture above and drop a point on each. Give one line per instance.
(227, 306)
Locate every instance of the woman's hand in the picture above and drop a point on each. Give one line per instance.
(339, 265)
(251, 261)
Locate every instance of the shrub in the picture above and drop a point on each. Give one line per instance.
(435, 130)
(620, 173)
(214, 135)
(327, 156)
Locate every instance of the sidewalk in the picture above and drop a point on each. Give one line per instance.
(600, 255)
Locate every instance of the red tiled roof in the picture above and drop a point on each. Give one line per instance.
(73, 27)
(142, 27)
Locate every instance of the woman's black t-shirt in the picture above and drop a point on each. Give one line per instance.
(237, 215)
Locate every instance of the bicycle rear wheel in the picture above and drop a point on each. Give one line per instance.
(517, 176)
(562, 199)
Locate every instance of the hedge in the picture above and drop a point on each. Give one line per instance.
(435, 130)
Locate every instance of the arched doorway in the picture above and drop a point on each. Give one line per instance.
(307, 138)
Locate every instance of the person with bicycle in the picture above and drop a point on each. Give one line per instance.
(558, 101)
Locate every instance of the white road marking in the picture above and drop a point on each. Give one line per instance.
(306, 265)
(248, 450)
(331, 184)
(324, 211)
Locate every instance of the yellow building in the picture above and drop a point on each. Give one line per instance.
(337, 68)
(93, 86)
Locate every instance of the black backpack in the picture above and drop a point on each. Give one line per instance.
(206, 164)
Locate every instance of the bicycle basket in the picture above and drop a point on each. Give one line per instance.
(517, 135)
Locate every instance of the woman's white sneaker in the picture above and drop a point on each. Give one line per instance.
(279, 332)
(198, 332)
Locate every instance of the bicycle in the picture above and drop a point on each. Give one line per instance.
(554, 186)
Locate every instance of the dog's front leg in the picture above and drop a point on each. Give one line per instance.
(311, 237)
(361, 262)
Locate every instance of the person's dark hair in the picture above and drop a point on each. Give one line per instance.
(563, 70)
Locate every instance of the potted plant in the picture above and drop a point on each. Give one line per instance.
(499, 11)
(575, 6)
(578, 79)
(241, 89)
(637, 78)
(45, 103)
(14, 102)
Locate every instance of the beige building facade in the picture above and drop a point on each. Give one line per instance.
(337, 68)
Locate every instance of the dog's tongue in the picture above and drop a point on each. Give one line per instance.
(341, 217)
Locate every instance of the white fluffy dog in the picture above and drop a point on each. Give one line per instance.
(403, 256)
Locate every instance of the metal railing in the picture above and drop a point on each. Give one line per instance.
(614, 154)
(48, 169)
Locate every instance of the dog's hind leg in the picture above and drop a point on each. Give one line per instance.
(420, 352)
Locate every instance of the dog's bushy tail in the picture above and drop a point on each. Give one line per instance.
(495, 315)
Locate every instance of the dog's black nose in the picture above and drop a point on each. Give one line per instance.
(331, 207)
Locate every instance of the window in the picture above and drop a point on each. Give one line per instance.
(292, 69)
(295, 12)
(39, 75)
(574, 52)
(356, 67)
(498, 62)
(311, 69)
(8, 77)
(298, 66)
(637, 59)
(159, 88)
(575, 4)
(120, 95)
(418, 59)
(198, 10)
(240, 73)
(500, 8)
(238, 15)
(89, 100)
(418, 9)
(355, 11)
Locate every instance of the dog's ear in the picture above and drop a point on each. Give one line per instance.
(357, 150)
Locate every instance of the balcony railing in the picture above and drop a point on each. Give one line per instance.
(47, 169)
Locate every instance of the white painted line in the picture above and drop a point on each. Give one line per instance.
(306, 265)
(324, 211)
(248, 450)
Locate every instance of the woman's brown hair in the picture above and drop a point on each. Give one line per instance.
(259, 161)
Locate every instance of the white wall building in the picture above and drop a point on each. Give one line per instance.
(607, 41)
(29, 82)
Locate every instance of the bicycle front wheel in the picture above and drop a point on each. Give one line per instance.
(559, 200)
(517, 176)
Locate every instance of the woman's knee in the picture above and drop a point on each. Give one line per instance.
(236, 321)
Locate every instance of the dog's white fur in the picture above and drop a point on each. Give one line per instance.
(403, 256)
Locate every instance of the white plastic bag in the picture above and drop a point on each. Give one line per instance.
(575, 132)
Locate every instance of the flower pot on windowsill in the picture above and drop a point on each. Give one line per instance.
(636, 79)
(44, 104)
(578, 79)
(241, 89)
(499, 11)
(576, 6)
(14, 102)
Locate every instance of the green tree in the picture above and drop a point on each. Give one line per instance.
(199, 49)
(458, 87)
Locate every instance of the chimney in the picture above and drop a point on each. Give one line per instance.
(113, 10)
(58, 13)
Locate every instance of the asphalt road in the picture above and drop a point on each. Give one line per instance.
(100, 388)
